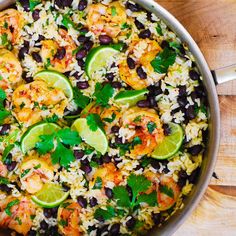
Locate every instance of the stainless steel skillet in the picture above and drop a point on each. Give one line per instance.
(210, 80)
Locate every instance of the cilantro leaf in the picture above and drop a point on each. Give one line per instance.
(4, 180)
(98, 183)
(2, 94)
(94, 122)
(69, 137)
(113, 11)
(137, 140)
(33, 4)
(67, 22)
(62, 155)
(6, 151)
(159, 30)
(4, 39)
(81, 100)
(3, 115)
(46, 144)
(105, 214)
(110, 120)
(122, 196)
(150, 199)
(103, 94)
(167, 191)
(151, 126)
(10, 205)
(163, 60)
(125, 26)
(53, 119)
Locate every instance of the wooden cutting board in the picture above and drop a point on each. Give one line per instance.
(212, 23)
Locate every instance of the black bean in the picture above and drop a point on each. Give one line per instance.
(5, 188)
(141, 73)
(143, 103)
(154, 91)
(103, 230)
(116, 85)
(35, 14)
(200, 91)
(138, 24)
(182, 101)
(82, 5)
(166, 170)
(133, 7)
(66, 188)
(84, 30)
(183, 176)
(5, 129)
(77, 75)
(25, 4)
(144, 34)
(115, 229)
(194, 75)
(167, 129)
(93, 201)
(190, 113)
(110, 77)
(115, 129)
(41, 37)
(164, 44)
(155, 164)
(106, 158)
(47, 212)
(43, 225)
(85, 161)
(194, 176)
(109, 193)
(130, 223)
(131, 63)
(78, 154)
(98, 160)
(11, 166)
(67, 3)
(205, 136)
(181, 182)
(105, 39)
(24, 50)
(88, 45)
(54, 211)
(152, 101)
(82, 39)
(195, 150)
(118, 140)
(59, 3)
(156, 217)
(53, 230)
(117, 160)
(36, 57)
(81, 54)
(32, 233)
(138, 167)
(86, 168)
(182, 90)
(60, 54)
(112, 145)
(82, 84)
(82, 201)
(26, 78)
(81, 63)
(149, 16)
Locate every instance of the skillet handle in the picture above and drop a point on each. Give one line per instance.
(224, 74)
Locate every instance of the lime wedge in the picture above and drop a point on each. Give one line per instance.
(171, 144)
(130, 97)
(31, 136)
(51, 195)
(56, 80)
(98, 58)
(97, 139)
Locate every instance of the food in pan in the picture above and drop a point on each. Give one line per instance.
(103, 115)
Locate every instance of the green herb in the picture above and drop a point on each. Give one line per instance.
(110, 120)
(37, 167)
(98, 183)
(19, 220)
(43, 108)
(94, 122)
(128, 35)
(150, 199)
(125, 26)
(124, 147)
(105, 214)
(136, 141)
(25, 172)
(4, 40)
(53, 119)
(76, 50)
(176, 46)
(32, 217)
(122, 196)
(163, 61)
(167, 191)
(67, 22)
(4, 180)
(113, 11)
(65, 204)
(93, 164)
(48, 63)
(137, 119)
(159, 30)
(6, 152)
(2, 94)
(22, 105)
(145, 162)
(3, 112)
(81, 100)
(10, 205)
(1, 78)
(5, 25)
(103, 94)
(151, 126)
(36, 104)
(88, 151)
(138, 225)
(63, 222)
(62, 154)
(33, 4)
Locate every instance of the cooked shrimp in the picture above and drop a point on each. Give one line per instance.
(10, 69)
(50, 48)
(17, 217)
(3, 170)
(11, 23)
(143, 51)
(34, 173)
(35, 100)
(68, 215)
(106, 19)
(147, 126)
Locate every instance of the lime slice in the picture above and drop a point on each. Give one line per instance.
(56, 80)
(171, 144)
(51, 195)
(97, 139)
(31, 136)
(130, 97)
(98, 58)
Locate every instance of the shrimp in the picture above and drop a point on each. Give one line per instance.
(68, 215)
(10, 69)
(147, 126)
(3, 170)
(49, 50)
(106, 19)
(11, 23)
(167, 190)
(17, 217)
(34, 173)
(33, 101)
(143, 51)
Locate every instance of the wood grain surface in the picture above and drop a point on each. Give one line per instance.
(213, 26)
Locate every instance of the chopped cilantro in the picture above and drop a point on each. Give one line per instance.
(103, 94)
(98, 183)
(2, 94)
(4, 40)
(65, 204)
(22, 105)
(37, 167)
(48, 63)
(110, 120)
(25, 172)
(32, 217)
(151, 126)
(3, 112)
(159, 30)
(145, 162)
(33, 4)
(88, 151)
(136, 141)
(36, 104)
(93, 164)
(19, 220)
(4, 180)
(67, 22)
(105, 214)
(10, 205)
(5, 25)
(163, 61)
(167, 191)
(81, 100)
(125, 26)
(63, 222)
(113, 11)
(137, 119)
(94, 122)
(53, 119)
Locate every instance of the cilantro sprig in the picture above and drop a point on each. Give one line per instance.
(103, 94)
(60, 142)
(94, 122)
(81, 100)
(10, 205)
(3, 112)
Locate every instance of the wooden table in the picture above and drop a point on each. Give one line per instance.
(212, 23)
